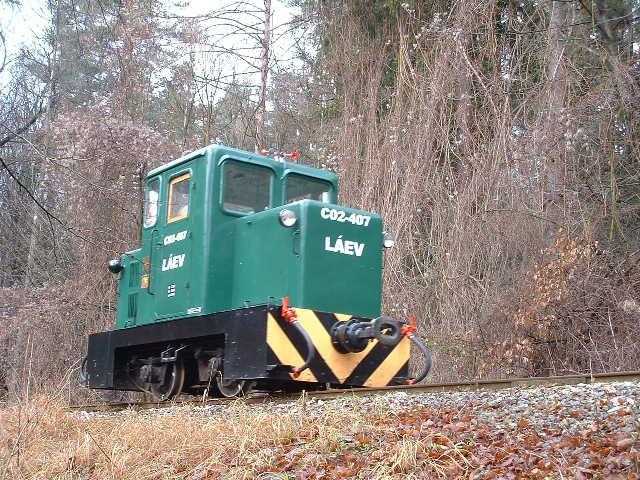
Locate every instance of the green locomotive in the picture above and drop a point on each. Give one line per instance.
(249, 275)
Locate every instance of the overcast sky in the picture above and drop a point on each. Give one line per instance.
(23, 25)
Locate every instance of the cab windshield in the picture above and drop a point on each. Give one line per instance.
(246, 188)
(301, 187)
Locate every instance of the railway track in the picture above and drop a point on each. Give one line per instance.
(497, 384)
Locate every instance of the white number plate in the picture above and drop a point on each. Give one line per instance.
(342, 216)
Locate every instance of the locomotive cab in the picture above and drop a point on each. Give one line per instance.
(226, 236)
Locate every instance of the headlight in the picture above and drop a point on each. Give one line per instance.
(387, 240)
(115, 266)
(288, 217)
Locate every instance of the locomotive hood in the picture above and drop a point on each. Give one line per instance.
(330, 259)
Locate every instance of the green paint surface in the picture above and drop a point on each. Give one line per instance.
(224, 256)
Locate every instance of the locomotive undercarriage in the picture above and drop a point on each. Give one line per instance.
(190, 369)
(193, 370)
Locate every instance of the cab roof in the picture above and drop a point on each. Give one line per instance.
(220, 151)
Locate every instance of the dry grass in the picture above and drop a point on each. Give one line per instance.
(40, 440)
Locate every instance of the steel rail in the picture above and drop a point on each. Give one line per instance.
(474, 385)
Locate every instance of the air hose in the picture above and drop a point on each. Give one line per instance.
(83, 376)
(290, 316)
(426, 353)
(311, 351)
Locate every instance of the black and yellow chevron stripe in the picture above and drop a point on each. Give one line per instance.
(376, 366)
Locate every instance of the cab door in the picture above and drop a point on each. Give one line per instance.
(173, 265)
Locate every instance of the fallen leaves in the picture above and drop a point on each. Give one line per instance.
(625, 443)
(426, 443)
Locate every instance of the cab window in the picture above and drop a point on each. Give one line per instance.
(301, 187)
(246, 187)
(178, 206)
(151, 198)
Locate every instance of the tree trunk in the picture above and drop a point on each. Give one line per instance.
(50, 113)
(261, 142)
(553, 102)
(33, 232)
(556, 75)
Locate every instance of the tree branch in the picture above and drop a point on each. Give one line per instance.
(22, 129)
(50, 216)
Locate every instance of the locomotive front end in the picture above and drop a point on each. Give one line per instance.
(326, 260)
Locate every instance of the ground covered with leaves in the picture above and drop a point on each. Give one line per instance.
(578, 431)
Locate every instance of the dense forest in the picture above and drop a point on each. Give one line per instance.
(498, 139)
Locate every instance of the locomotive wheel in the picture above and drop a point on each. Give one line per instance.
(171, 385)
(230, 388)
